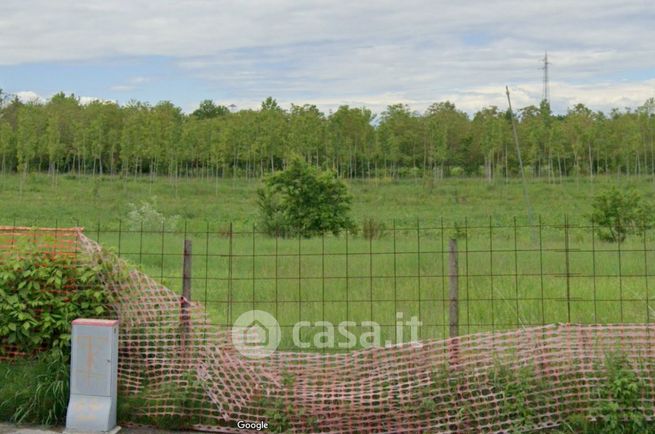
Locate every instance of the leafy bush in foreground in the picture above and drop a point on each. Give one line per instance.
(41, 293)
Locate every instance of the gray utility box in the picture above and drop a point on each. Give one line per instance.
(94, 372)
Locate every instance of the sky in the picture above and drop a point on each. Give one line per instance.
(330, 53)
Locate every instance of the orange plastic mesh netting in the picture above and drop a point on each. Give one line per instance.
(176, 367)
(60, 241)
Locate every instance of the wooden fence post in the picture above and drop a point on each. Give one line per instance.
(186, 272)
(185, 315)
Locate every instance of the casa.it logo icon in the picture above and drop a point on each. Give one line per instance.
(256, 334)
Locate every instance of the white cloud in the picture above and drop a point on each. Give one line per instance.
(29, 96)
(362, 53)
(598, 96)
(37, 30)
(84, 100)
(131, 84)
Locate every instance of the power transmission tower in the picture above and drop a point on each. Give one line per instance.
(546, 95)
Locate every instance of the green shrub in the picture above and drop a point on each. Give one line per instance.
(617, 214)
(619, 409)
(41, 293)
(522, 391)
(303, 201)
(457, 171)
(618, 402)
(459, 232)
(147, 217)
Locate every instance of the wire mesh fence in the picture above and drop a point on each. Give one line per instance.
(179, 365)
(509, 276)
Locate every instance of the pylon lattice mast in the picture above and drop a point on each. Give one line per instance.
(546, 92)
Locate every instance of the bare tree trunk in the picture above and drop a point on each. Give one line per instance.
(627, 160)
(591, 164)
(506, 165)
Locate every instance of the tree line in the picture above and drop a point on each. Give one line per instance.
(64, 136)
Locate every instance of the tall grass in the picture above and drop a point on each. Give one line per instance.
(106, 200)
(35, 391)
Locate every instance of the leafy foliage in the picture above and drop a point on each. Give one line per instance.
(619, 408)
(63, 135)
(617, 214)
(616, 406)
(41, 293)
(302, 201)
(279, 412)
(208, 110)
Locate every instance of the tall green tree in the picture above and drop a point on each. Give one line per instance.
(488, 135)
(350, 136)
(308, 133)
(449, 136)
(100, 137)
(209, 110)
(271, 139)
(30, 136)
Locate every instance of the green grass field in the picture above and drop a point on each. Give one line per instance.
(90, 201)
(510, 276)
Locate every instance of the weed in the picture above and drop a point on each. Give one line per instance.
(373, 228)
(618, 411)
(35, 391)
(147, 217)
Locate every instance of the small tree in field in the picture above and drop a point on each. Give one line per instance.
(301, 200)
(616, 214)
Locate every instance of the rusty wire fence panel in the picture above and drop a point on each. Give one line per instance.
(509, 276)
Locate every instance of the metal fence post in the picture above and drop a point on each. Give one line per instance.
(568, 269)
(185, 317)
(453, 278)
